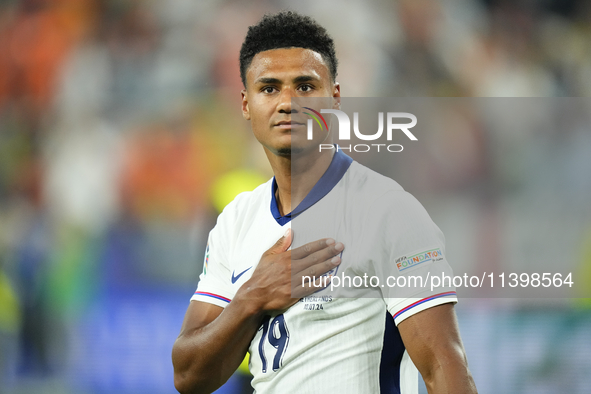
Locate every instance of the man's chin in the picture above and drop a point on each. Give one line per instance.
(288, 151)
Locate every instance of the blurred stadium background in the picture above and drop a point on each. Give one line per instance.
(121, 138)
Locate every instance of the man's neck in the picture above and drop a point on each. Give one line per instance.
(296, 175)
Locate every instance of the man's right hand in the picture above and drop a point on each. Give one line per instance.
(216, 339)
(279, 273)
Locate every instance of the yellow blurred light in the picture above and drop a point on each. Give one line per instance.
(9, 306)
(229, 185)
(243, 368)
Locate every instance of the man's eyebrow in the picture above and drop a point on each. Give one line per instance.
(298, 79)
(268, 80)
(304, 78)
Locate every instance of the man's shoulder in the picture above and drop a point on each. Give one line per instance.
(367, 181)
(379, 193)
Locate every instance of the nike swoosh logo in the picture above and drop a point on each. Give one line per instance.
(235, 278)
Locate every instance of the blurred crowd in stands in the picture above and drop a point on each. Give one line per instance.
(118, 120)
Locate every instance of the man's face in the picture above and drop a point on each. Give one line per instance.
(272, 79)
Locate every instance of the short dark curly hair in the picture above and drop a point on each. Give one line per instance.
(287, 29)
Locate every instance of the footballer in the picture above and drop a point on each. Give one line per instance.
(251, 297)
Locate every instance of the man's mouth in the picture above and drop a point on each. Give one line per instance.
(288, 124)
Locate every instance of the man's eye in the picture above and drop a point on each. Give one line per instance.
(305, 88)
(268, 89)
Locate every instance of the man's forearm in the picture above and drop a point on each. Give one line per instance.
(450, 374)
(204, 358)
(432, 339)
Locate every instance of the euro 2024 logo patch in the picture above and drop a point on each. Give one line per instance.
(206, 259)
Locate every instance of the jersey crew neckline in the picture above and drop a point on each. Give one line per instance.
(334, 173)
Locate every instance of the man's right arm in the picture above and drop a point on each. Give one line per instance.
(212, 344)
(214, 340)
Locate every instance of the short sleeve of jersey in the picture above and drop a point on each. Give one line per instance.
(214, 286)
(413, 249)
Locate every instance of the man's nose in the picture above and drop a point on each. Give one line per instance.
(285, 97)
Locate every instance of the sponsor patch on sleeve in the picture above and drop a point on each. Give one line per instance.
(406, 262)
(206, 259)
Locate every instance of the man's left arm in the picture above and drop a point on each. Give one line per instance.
(433, 342)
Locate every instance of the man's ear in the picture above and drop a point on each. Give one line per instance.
(245, 109)
(336, 94)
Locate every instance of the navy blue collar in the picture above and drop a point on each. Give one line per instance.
(338, 166)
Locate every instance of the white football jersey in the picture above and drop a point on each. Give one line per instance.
(335, 340)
